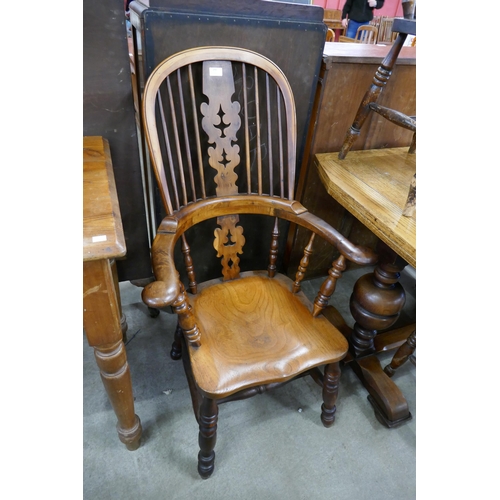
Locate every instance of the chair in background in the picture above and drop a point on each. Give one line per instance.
(364, 34)
(367, 34)
(221, 130)
(385, 30)
(347, 39)
(330, 35)
(376, 21)
(403, 27)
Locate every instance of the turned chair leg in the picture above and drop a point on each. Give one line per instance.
(176, 351)
(402, 354)
(330, 392)
(207, 437)
(153, 313)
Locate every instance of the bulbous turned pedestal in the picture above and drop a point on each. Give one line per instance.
(376, 301)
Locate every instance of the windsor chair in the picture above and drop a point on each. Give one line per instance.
(221, 130)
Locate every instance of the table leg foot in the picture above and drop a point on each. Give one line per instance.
(391, 407)
(381, 417)
(131, 438)
(115, 375)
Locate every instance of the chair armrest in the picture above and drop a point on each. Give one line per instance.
(290, 210)
(163, 292)
(355, 253)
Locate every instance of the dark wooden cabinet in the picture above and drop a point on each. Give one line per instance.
(108, 111)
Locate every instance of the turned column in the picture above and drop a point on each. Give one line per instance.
(376, 301)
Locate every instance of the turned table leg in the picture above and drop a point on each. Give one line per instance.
(375, 304)
(102, 324)
(402, 354)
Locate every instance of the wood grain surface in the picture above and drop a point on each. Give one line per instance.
(255, 332)
(373, 185)
(103, 236)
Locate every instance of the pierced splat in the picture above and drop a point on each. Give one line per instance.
(221, 121)
(222, 126)
(224, 162)
(229, 243)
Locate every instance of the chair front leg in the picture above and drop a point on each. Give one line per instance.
(330, 392)
(209, 412)
(176, 350)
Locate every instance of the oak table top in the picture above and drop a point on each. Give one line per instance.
(373, 186)
(103, 236)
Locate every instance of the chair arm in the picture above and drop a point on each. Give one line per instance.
(355, 253)
(290, 210)
(163, 292)
(167, 289)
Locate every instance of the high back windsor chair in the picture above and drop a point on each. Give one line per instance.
(221, 130)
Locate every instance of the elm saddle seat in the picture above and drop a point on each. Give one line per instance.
(221, 130)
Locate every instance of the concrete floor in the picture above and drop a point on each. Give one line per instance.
(270, 447)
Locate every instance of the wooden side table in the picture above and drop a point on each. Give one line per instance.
(103, 241)
(373, 186)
